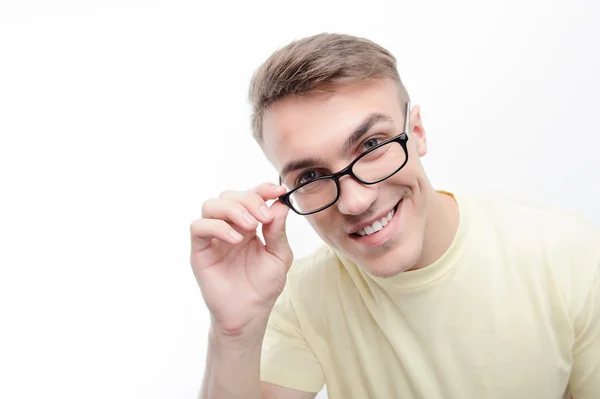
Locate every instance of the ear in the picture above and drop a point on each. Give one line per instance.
(418, 131)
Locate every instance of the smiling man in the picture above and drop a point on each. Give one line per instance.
(417, 292)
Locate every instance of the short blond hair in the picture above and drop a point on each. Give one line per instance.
(318, 63)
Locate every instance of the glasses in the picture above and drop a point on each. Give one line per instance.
(373, 166)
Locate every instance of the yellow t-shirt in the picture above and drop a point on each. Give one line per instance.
(511, 310)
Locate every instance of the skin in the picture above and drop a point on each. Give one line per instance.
(241, 277)
(317, 125)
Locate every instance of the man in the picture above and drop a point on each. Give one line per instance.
(418, 293)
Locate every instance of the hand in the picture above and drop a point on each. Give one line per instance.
(241, 277)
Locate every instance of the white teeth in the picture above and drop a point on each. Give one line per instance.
(377, 225)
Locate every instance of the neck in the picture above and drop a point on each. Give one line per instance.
(440, 230)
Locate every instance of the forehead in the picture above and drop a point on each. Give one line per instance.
(317, 124)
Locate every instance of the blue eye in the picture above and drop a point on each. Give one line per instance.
(367, 145)
(307, 176)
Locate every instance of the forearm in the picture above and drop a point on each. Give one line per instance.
(231, 373)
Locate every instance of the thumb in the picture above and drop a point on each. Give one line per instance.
(276, 241)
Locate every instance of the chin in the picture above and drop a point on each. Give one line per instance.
(394, 249)
(401, 258)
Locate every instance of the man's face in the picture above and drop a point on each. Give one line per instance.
(317, 126)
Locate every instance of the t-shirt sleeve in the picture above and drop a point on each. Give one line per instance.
(585, 374)
(287, 358)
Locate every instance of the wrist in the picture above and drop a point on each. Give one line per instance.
(245, 338)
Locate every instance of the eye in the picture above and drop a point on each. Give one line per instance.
(370, 143)
(307, 176)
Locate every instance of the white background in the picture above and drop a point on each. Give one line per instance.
(119, 118)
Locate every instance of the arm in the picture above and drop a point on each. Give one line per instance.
(270, 391)
(232, 374)
(240, 278)
(585, 375)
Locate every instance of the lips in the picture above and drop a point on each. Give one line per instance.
(375, 225)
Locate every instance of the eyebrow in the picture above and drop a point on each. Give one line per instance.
(351, 141)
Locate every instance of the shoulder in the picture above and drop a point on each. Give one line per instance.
(547, 224)
(545, 241)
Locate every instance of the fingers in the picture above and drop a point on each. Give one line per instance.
(269, 191)
(276, 241)
(234, 212)
(204, 230)
(253, 203)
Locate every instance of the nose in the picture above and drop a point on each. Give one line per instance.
(355, 197)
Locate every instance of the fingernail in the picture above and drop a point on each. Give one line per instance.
(249, 218)
(266, 212)
(235, 235)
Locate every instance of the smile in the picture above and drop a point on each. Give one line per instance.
(377, 225)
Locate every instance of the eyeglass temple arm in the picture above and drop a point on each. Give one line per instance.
(406, 119)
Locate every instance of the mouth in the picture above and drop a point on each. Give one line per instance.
(379, 226)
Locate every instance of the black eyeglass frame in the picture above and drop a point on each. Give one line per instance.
(401, 139)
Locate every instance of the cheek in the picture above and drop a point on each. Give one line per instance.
(324, 223)
(413, 170)
(407, 176)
